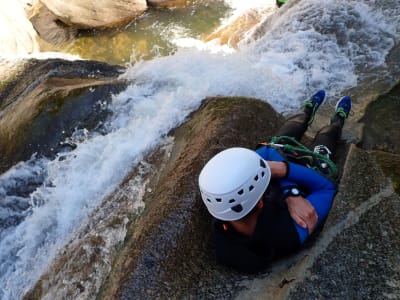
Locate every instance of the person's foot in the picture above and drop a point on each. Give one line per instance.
(343, 107)
(311, 105)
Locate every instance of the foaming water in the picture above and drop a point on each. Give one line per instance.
(314, 38)
(308, 46)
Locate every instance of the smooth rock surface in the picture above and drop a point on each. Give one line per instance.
(17, 35)
(166, 250)
(136, 254)
(94, 14)
(49, 27)
(41, 83)
(360, 257)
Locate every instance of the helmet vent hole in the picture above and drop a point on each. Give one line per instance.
(232, 200)
(262, 163)
(218, 199)
(262, 174)
(241, 192)
(237, 208)
(208, 200)
(256, 178)
(251, 188)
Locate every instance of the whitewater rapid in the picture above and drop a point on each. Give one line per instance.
(309, 45)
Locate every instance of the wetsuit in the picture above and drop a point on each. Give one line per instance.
(276, 233)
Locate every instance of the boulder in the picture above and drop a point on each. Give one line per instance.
(382, 123)
(238, 29)
(381, 133)
(131, 255)
(86, 14)
(34, 88)
(17, 36)
(356, 255)
(165, 250)
(49, 27)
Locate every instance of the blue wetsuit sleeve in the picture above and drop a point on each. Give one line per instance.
(271, 154)
(320, 192)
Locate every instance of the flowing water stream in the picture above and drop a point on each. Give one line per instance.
(157, 32)
(307, 45)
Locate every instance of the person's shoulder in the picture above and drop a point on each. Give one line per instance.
(264, 150)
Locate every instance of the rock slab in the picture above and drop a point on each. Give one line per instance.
(85, 14)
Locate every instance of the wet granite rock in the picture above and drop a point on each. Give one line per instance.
(382, 134)
(49, 27)
(390, 164)
(17, 35)
(360, 260)
(86, 14)
(382, 123)
(165, 251)
(346, 261)
(32, 103)
(170, 255)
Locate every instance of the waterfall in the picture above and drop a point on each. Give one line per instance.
(306, 46)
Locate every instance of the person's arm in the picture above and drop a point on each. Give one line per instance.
(278, 169)
(320, 194)
(277, 164)
(310, 212)
(320, 190)
(308, 178)
(302, 212)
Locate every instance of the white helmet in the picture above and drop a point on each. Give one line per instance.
(232, 183)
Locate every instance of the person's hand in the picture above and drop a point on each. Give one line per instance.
(302, 212)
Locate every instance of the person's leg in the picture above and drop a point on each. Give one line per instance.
(326, 139)
(296, 125)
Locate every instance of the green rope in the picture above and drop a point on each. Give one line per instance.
(295, 150)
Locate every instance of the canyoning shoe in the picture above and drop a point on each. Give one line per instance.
(280, 2)
(312, 104)
(343, 108)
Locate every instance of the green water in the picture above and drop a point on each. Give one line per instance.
(149, 35)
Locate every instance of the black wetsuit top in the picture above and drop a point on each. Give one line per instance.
(275, 235)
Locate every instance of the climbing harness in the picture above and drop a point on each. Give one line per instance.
(295, 151)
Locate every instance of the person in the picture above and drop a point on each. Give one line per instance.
(280, 2)
(265, 205)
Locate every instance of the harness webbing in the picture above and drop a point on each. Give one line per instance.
(296, 152)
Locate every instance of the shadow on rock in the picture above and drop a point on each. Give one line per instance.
(48, 101)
